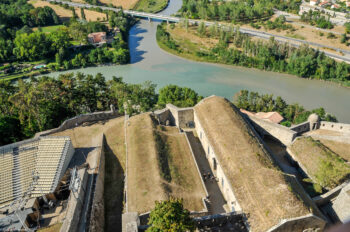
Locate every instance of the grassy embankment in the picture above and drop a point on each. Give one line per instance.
(159, 166)
(323, 166)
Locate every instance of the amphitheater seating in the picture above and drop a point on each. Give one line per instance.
(43, 156)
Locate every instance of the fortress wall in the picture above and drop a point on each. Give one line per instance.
(304, 223)
(282, 133)
(334, 126)
(97, 220)
(78, 120)
(74, 208)
(163, 116)
(301, 128)
(182, 116)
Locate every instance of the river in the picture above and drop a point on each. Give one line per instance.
(149, 62)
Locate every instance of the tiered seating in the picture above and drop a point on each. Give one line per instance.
(27, 157)
(6, 189)
(48, 160)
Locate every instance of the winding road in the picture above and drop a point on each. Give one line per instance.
(264, 35)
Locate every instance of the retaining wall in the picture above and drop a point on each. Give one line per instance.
(281, 133)
(163, 116)
(305, 223)
(75, 205)
(301, 128)
(97, 218)
(80, 119)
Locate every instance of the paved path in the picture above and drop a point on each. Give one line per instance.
(215, 196)
(265, 35)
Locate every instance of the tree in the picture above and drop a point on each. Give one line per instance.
(170, 216)
(179, 96)
(201, 29)
(82, 12)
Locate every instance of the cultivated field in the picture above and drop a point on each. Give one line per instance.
(324, 166)
(125, 4)
(156, 175)
(89, 136)
(65, 14)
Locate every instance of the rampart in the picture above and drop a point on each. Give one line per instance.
(334, 126)
(80, 119)
(301, 128)
(308, 222)
(282, 133)
(97, 209)
(182, 117)
(75, 205)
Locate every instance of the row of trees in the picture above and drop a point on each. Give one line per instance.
(234, 11)
(293, 113)
(267, 55)
(315, 18)
(45, 102)
(15, 14)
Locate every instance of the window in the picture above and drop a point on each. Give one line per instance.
(222, 182)
(200, 135)
(208, 150)
(214, 163)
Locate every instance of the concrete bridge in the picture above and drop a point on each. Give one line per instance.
(264, 35)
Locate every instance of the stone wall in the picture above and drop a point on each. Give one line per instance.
(164, 116)
(305, 223)
(282, 133)
(80, 119)
(224, 183)
(97, 218)
(182, 117)
(301, 128)
(334, 126)
(75, 205)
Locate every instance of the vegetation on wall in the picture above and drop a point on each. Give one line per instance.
(293, 113)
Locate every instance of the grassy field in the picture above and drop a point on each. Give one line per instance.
(50, 29)
(87, 136)
(156, 174)
(324, 166)
(151, 6)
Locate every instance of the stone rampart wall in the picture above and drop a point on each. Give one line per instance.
(163, 116)
(80, 119)
(305, 223)
(334, 126)
(183, 117)
(75, 205)
(282, 133)
(97, 209)
(301, 128)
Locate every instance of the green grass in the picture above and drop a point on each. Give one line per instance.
(50, 29)
(151, 6)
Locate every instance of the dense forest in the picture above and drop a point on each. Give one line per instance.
(236, 11)
(43, 103)
(293, 113)
(266, 55)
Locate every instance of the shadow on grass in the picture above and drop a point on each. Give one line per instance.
(113, 192)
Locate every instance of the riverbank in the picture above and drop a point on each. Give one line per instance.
(219, 49)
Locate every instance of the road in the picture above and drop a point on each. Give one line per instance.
(251, 32)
